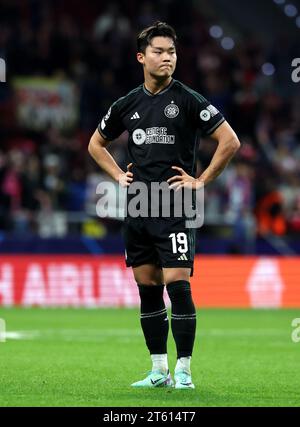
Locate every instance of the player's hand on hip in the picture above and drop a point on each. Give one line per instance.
(126, 178)
(184, 180)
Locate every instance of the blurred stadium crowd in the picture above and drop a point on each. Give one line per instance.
(48, 181)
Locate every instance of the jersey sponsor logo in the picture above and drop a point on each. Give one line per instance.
(154, 135)
(158, 135)
(139, 136)
(171, 111)
(205, 115)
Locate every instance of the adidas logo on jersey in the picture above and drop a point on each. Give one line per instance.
(135, 116)
(183, 257)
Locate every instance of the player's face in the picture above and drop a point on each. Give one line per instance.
(160, 57)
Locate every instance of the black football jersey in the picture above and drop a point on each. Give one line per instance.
(163, 129)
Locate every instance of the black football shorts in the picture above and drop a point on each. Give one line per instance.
(165, 242)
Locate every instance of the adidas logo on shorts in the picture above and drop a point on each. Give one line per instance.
(183, 257)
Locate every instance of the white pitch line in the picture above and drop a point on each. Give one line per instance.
(20, 335)
(69, 334)
(95, 334)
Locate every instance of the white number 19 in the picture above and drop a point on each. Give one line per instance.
(181, 240)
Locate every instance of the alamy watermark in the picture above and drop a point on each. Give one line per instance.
(296, 332)
(2, 330)
(296, 71)
(156, 200)
(2, 70)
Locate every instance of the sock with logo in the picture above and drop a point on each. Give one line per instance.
(154, 319)
(183, 317)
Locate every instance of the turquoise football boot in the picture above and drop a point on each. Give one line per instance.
(183, 380)
(155, 379)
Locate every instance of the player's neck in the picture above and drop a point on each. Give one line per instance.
(155, 86)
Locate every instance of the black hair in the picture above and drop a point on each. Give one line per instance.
(158, 29)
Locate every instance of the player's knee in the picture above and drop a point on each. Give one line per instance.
(174, 276)
(145, 279)
(148, 275)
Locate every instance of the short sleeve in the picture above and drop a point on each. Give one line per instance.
(111, 125)
(205, 116)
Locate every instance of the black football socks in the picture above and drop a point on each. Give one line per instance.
(154, 319)
(183, 317)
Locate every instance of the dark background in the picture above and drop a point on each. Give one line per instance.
(238, 54)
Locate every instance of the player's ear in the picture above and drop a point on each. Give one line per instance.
(140, 57)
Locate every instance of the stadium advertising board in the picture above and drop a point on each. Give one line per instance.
(86, 281)
(43, 102)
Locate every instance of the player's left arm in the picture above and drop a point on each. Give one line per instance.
(228, 144)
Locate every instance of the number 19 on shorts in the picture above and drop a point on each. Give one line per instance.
(179, 243)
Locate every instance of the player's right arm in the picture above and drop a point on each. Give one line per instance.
(97, 149)
(109, 128)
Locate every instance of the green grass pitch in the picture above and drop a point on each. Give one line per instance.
(80, 357)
